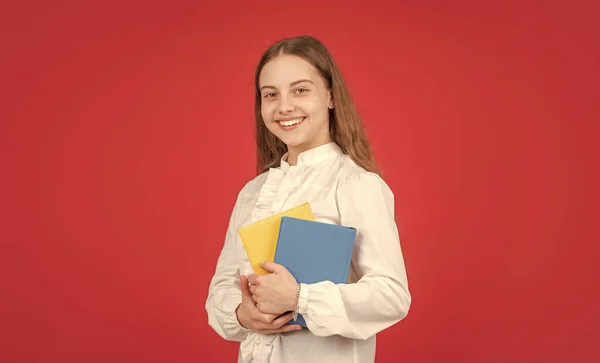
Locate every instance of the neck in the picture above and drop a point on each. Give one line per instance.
(295, 151)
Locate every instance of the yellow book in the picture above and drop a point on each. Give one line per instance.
(260, 238)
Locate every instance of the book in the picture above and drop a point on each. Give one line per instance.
(314, 252)
(260, 238)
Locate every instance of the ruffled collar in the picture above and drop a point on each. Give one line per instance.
(267, 203)
(313, 156)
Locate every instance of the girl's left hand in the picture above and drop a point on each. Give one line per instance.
(274, 293)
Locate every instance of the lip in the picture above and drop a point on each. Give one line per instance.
(288, 128)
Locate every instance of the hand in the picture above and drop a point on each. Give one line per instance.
(251, 318)
(274, 293)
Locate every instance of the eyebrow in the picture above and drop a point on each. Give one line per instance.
(291, 84)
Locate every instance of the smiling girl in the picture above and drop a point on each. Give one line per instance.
(311, 147)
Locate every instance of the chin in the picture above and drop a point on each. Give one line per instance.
(292, 141)
(289, 140)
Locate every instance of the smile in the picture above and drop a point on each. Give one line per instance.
(288, 124)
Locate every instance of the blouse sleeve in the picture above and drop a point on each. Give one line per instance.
(380, 298)
(224, 294)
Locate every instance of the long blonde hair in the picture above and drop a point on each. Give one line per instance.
(345, 124)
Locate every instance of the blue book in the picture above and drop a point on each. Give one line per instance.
(314, 252)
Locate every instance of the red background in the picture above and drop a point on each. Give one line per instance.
(127, 131)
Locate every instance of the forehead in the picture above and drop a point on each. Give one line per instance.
(285, 69)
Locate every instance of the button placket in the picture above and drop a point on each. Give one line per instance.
(266, 352)
(256, 352)
(283, 192)
(261, 352)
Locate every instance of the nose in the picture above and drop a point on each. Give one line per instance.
(285, 105)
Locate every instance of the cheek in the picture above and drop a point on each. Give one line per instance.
(314, 105)
(266, 110)
(317, 109)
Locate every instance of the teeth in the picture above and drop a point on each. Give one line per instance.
(291, 122)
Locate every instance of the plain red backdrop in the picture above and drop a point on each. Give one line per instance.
(127, 131)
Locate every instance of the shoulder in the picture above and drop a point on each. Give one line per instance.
(354, 178)
(247, 194)
(363, 194)
(252, 187)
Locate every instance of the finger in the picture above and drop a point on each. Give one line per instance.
(262, 318)
(280, 321)
(285, 329)
(255, 299)
(253, 289)
(274, 321)
(253, 279)
(272, 267)
(244, 287)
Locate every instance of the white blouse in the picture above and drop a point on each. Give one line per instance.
(343, 319)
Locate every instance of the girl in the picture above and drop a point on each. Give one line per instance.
(311, 147)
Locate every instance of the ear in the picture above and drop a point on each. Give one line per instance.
(330, 100)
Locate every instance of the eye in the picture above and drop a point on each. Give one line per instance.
(301, 90)
(269, 95)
